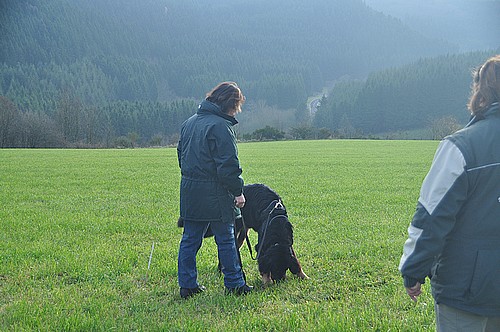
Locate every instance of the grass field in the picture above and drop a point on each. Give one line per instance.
(77, 229)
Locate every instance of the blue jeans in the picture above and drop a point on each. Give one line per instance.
(228, 256)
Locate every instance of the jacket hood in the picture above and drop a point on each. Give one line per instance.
(208, 106)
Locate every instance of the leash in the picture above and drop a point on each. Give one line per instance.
(268, 221)
(239, 258)
(246, 238)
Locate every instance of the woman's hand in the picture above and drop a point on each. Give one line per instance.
(239, 201)
(414, 291)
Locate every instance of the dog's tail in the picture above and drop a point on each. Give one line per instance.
(180, 222)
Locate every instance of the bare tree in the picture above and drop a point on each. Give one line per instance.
(134, 138)
(39, 131)
(90, 125)
(346, 130)
(68, 116)
(9, 119)
(443, 127)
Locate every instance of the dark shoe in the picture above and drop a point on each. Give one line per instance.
(242, 290)
(188, 292)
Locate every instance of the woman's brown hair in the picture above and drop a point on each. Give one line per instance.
(485, 86)
(228, 96)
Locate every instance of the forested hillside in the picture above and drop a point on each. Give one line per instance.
(411, 97)
(93, 73)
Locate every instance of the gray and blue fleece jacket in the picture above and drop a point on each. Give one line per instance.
(454, 237)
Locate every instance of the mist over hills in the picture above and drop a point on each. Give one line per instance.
(138, 66)
(190, 45)
(471, 24)
(429, 95)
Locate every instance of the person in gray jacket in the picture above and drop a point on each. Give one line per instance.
(454, 237)
(211, 189)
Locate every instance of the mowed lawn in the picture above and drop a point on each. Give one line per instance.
(77, 229)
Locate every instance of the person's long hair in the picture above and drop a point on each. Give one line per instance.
(228, 96)
(485, 86)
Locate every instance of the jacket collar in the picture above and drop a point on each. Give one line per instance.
(209, 107)
(494, 108)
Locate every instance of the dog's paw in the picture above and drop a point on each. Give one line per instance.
(266, 279)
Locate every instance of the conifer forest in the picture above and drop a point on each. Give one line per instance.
(127, 73)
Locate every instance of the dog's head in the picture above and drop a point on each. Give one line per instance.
(274, 263)
(275, 244)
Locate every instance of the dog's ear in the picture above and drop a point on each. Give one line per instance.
(294, 263)
(180, 222)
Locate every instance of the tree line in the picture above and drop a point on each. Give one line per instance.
(406, 98)
(93, 73)
(73, 124)
(430, 93)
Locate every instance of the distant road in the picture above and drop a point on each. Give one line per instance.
(313, 105)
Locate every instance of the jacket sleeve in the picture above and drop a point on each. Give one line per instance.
(225, 155)
(442, 194)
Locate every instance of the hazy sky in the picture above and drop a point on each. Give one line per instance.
(471, 24)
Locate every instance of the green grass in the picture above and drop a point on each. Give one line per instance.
(77, 226)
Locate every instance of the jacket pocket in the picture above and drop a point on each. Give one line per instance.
(485, 288)
(226, 205)
(199, 200)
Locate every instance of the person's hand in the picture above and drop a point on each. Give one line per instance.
(414, 291)
(239, 201)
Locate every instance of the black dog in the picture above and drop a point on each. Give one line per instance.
(265, 213)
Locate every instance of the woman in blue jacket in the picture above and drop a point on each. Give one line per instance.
(454, 237)
(211, 188)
